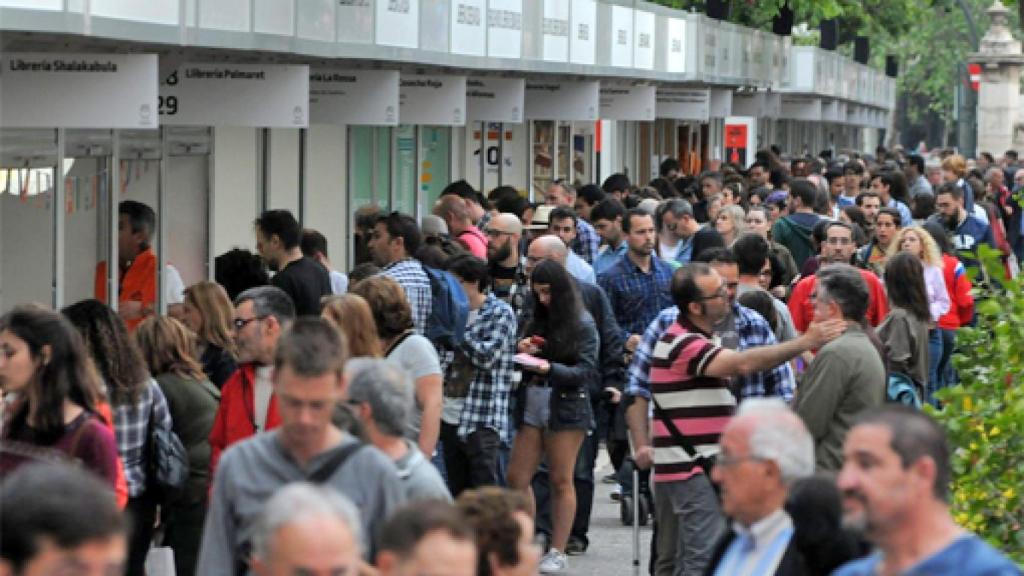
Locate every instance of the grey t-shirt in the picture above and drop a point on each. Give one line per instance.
(451, 409)
(417, 356)
(250, 472)
(420, 479)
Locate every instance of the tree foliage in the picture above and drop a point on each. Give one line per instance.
(984, 416)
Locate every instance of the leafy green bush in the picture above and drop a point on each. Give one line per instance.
(984, 415)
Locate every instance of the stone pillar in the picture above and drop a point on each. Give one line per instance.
(999, 95)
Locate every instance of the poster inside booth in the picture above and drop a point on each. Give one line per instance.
(740, 140)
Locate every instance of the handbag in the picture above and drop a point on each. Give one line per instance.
(167, 462)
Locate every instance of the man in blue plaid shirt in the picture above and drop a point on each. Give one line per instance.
(742, 330)
(393, 241)
(638, 284)
(587, 242)
(474, 416)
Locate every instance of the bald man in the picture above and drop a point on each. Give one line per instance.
(457, 216)
(508, 266)
(604, 393)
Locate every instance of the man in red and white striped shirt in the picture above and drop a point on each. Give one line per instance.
(689, 379)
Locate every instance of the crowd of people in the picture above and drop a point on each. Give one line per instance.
(756, 342)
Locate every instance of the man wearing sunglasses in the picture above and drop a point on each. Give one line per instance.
(247, 405)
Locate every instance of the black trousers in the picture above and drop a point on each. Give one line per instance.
(472, 462)
(142, 512)
(582, 480)
(183, 531)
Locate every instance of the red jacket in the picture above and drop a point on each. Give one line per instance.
(236, 418)
(958, 285)
(802, 310)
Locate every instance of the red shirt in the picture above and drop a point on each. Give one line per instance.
(802, 309)
(236, 415)
(475, 242)
(138, 284)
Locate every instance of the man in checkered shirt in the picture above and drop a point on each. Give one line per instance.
(394, 240)
(587, 242)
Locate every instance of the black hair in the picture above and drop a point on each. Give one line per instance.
(141, 218)
(312, 242)
(559, 323)
(904, 283)
(627, 218)
(113, 351)
(815, 505)
(591, 194)
(777, 178)
(403, 226)
(668, 165)
(922, 206)
(712, 175)
(56, 504)
(404, 530)
(896, 182)
(1011, 154)
(608, 209)
(562, 213)
(914, 435)
(663, 187)
(761, 302)
(853, 167)
(950, 188)
(66, 375)
(833, 173)
(917, 162)
(469, 268)
(715, 254)
(751, 251)
(616, 183)
(844, 285)
(282, 224)
(362, 272)
(684, 287)
(938, 233)
(892, 213)
(500, 192)
(512, 205)
(856, 215)
(759, 164)
(238, 270)
(462, 189)
(805, 191)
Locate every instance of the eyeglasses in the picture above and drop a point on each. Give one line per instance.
(243, 322)
(720, 293)
(492, 233)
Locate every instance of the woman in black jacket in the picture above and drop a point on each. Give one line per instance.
(554, 410)
(208, 313)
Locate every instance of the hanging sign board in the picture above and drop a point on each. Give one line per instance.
(801, 108)
(505, 28)
(757, 104)
(432, 100)
(583, 32)
(360, 97)
(643, 44)
(495, 99)
(569, 101)
(468, 34)
(555, 31)
(682, 104)
(621, 40)
(50, 90)
(398, 23)
(258, 95)
(740, 140)
(720, 104)
(624, 102)
(675, 46)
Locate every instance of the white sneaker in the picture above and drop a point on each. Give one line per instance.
(554, 562)
(616, 493)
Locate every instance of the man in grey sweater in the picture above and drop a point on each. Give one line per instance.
(309, 382)
(847, 376)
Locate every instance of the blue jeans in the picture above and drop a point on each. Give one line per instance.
(941, 343)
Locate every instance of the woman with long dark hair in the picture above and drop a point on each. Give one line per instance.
(169, 349)
(54, 395)
(554, 409)
(138, 404)
(208, 312)
(905, 329)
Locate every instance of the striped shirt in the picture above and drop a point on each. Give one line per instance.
(700, 406)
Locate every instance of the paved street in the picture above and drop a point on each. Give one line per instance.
(611, 543)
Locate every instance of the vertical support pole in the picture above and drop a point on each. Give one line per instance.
(59, 198)
(483, 158)
(392, 152)
(349, 214)
(161, 221)
(303, 175)
(211, 191)
(530, 158)
(416, 192)
(113, 191)
(263, 153)
(556, 140)
(501, 155)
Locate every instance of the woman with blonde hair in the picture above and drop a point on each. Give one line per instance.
(731, 222)
(920, 243)
(208, 312)
(169, 349)
(352, 315)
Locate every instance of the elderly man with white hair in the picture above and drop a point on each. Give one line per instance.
(765, 448)
(307, 529)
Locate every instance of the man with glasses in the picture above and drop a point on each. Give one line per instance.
(693, 400)
(838, 248)
(507, 263)
(847, 375)
(247, 405)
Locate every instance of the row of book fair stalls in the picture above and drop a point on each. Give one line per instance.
(211, 111)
